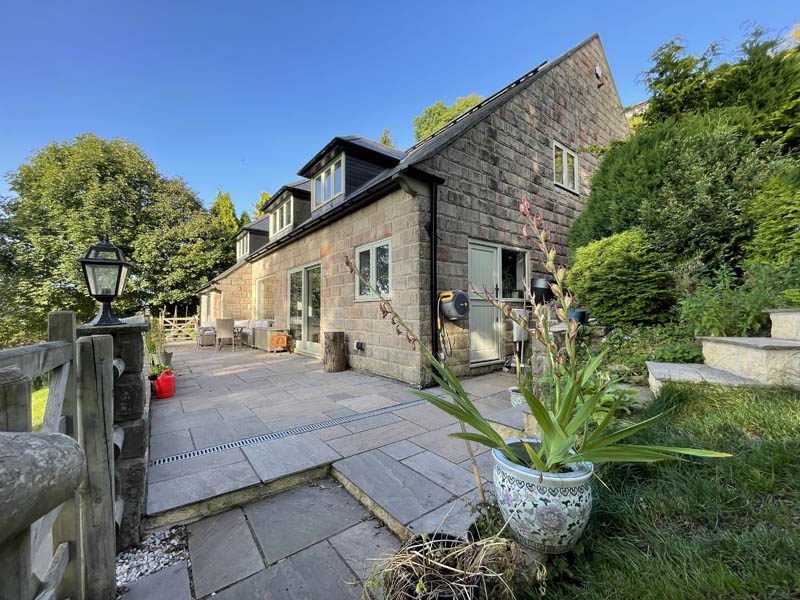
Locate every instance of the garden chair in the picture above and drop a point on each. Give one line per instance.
(203, 335)
(225, 331)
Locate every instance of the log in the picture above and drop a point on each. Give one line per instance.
(38, 471)
(334, 356)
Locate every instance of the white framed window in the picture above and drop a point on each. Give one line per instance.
(281, 218)
(242, 246)
(565, 167)
(329, 184)
(374, 262)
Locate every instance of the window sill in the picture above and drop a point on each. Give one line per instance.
(570, 190)
(371, 299)
(318, 206)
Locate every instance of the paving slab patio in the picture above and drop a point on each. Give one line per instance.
(223, 398)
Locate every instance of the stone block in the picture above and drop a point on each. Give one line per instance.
(129, 346)
(129, 397)
(137, 437)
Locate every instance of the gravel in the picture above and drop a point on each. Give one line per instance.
(156, 551)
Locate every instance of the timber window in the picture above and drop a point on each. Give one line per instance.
(565, 167)
(329, 184)
(373, 262)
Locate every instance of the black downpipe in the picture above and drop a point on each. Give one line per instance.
(434, 260)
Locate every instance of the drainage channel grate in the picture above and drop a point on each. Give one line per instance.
(275, 435)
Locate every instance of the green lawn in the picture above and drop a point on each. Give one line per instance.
(725, 528)
(38, 402)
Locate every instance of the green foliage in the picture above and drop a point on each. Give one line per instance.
(686, 183)
(244, 218)
(626, 348)
(436, 115)
(261, 205)
(763, 78)
(728, 305)
(386, 138)
(65, 196)
(775, 212)
(621, 279)
(224, 211)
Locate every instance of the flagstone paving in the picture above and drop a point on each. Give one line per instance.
(224, 397)
(315, 540)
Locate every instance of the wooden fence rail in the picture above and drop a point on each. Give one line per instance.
(178, 328)
(58, 481)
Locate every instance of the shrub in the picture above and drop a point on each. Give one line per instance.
(620, 279)
(734, 306)
(776, 214)
(686, 182)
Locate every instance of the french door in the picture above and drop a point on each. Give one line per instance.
(305, 305)
(485, 333)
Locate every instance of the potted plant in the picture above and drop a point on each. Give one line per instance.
(543, 486)
(157, 345)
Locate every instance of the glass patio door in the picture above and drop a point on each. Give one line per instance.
(305, 306)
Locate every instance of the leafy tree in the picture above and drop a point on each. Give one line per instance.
(386, 138)
(437, 115)
(65, 197)
(244, 218)
(261, 205)
(223, 209)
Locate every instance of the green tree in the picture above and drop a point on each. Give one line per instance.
(223, 209)
(437, 115)
(386, 138)
(64, 198)
(261, 205)
(244, 218)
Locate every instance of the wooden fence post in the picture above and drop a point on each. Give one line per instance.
(95, 378)
(67, 526)
(15, 554)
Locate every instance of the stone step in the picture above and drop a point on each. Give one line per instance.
(661, 373)
(771, 361)
(785, 323)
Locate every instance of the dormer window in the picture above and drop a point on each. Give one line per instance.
(329, 184)
(281, 217)
(242, 246)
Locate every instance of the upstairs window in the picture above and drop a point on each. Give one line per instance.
(565, 167)
(373, 261)
(329, 183)
(242, 246)
(281, 217)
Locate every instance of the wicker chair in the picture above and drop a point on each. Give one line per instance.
(203, 335)
(225, 332)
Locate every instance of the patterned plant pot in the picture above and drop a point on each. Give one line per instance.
(516, 396)
(547, 512)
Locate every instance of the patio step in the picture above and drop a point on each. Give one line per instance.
(771, 361)
(661, 373)
(785, 323)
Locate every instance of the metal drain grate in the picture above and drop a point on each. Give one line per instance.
(275, 435)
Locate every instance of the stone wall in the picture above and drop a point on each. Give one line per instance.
(401, 216)
(232, 296)
(508, 155)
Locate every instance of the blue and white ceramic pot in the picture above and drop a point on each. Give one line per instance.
(547, 512)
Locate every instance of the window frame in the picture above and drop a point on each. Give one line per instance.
(565, 152)
(372, 246)
(242, 246)
(327, 176)
(259, 301)
(288, 220)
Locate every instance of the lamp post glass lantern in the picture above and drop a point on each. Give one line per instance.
(105, 270)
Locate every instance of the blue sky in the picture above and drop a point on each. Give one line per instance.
(238, 95)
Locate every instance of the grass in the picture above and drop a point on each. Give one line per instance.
(697, 529)
(38, 402)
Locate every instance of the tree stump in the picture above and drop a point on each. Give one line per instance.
(334, 357)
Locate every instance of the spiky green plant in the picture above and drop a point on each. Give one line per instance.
(568, 431)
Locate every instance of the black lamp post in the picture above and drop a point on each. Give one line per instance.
(105, 270)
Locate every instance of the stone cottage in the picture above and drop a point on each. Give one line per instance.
(453, 196)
